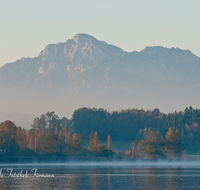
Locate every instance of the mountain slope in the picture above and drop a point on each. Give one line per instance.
(84, 71)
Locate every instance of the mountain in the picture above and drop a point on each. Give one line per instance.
(84, 71)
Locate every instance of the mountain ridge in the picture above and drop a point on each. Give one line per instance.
(84, 71)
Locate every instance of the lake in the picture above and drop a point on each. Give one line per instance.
(101, 175)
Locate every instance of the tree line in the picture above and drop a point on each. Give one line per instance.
(51, 135)
(134, 124)
(42, 142)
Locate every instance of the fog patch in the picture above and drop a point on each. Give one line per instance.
(109, 164)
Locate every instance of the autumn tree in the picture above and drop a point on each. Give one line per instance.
(19, 136)
(32, 139)
(28, 138)
(50, 143)
(133, 152)
(8, 143)
(153, 145)
(61, 142)
(173, 145)
(41, 139)
(94, 144)
(76, 143)
(67, 134)
(109, 143)
(56, 131)
(24, 139)
(134, 149)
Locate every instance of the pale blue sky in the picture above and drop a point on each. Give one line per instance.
(27, 26)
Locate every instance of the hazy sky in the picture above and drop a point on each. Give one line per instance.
(27, 26)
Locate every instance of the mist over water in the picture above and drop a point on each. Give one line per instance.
(109, 164)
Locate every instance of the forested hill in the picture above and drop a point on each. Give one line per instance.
(133, 124)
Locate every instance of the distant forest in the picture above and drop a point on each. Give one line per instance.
(134, 124)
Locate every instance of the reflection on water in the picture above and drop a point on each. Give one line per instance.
(100, 178)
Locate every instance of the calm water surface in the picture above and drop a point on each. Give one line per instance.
(103, 176)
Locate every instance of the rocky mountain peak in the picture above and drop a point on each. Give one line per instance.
(86, 67)
(79, 38)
